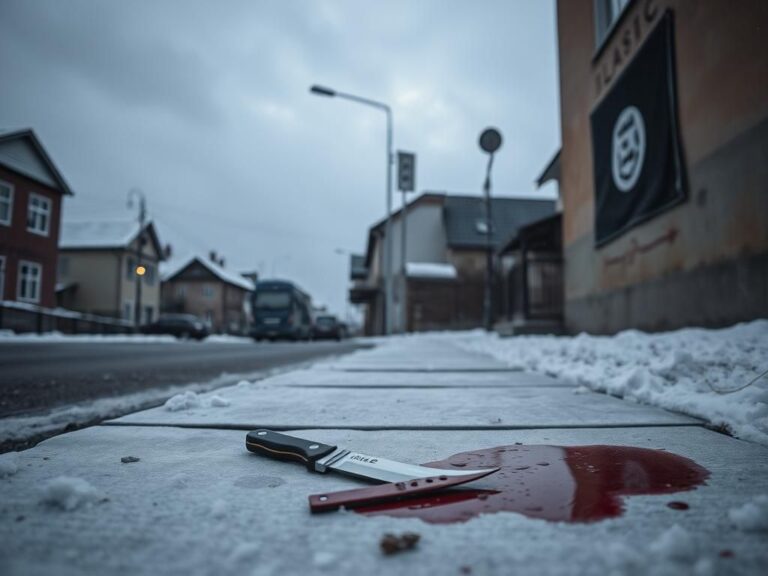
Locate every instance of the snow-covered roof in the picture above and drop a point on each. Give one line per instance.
(98, 233)
(430, 270)
(222, 274)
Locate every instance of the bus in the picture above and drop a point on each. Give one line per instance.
(281, 310)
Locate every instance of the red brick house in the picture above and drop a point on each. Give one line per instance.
(31, 191)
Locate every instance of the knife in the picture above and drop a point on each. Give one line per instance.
(392, 492)
(320, 457)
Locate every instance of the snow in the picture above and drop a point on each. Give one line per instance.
(224, 275)
(21, 428)
(676, 544)
(32, 338)
(9, 464)
(68, 493)
(430, 270)
(752, 516)
(98, 234)
(188, 400)
(323, 559)
(679, 370)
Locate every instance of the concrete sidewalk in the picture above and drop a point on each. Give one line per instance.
(197, 503)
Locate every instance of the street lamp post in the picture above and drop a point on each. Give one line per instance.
(139, 270)
(329, 92)
(490, 142)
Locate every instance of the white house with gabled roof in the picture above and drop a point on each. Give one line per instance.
(98, 262)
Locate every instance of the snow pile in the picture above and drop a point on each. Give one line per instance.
(69, 493)
(753, 516)
(9, 464)
(677, 370)
(189, 400)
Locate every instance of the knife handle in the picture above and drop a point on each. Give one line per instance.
(284, 447)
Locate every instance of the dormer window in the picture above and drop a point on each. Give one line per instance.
(481, 226)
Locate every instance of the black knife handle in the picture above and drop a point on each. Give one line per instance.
(284, 447)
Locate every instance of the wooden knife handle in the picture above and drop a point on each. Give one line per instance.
(284, 447)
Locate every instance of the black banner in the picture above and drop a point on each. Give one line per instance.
(637, 158)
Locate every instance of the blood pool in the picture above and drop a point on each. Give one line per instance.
(556, 483)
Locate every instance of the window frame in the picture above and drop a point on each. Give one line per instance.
(48, 213)
(601, 41)
(22, 279)
(11, 194)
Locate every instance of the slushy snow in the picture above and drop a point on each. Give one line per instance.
(752, 516)
(689, 371)
(69, 493)
(189, 399)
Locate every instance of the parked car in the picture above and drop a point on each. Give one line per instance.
(179, 325)
(327, 327)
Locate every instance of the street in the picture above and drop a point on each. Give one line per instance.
(40, 375)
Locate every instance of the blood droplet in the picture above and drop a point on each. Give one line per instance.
(577, 484)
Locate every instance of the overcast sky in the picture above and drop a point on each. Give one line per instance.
(205, 107)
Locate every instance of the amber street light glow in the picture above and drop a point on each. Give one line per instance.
(140, 270)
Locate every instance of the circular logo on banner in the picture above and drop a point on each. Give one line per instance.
(628, 148)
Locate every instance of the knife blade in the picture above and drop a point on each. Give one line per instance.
(319, 457)
(390, 492)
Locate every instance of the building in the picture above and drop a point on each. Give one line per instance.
(201, 286)
(31, 192)
(663, 168)
(98, 264)
(442, 282)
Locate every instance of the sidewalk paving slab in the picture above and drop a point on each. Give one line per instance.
(264, 406)
(198, 503)
(414, 379)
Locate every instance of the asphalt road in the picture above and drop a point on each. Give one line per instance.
(40, 375)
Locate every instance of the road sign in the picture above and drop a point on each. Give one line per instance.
(490, 140)
(406, 171)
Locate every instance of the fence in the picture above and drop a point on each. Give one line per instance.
(21, 317)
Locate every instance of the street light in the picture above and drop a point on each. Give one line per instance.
(490, 142)
(331, 93)
(138, 269)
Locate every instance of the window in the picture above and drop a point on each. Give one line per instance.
(130, 268)
(149, 313)
(39, 214)
(6, 203)
(128, 311)
(607, 13)
(181, 291)
(30, 276)
(207, 291)
(2, 276)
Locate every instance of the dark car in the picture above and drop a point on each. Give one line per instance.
(179, 325)
(327, 327)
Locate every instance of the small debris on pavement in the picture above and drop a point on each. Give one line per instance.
(393, 544)
(129, 459)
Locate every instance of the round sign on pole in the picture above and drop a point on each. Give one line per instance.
(490, 140)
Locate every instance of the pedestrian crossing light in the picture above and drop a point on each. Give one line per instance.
(140, 270)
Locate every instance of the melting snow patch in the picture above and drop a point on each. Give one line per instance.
(9, 464)
(69, 493)
(219, 402)
(183, 401)
(188, 400)
(753, 516)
